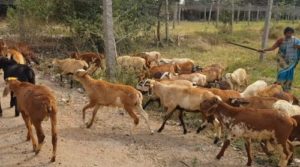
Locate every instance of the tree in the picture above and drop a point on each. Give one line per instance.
(109, 40)
(266, 28)
(167, 20)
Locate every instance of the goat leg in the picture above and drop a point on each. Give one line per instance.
(248, 150)
(11, 99)
(291, 158)
(147, 103)
(93, 117)
(224, 147)
(54, 134)
(0, 110)
(180, 116)
(29, 128)
(202, 126)
(167, 117)
(264, 147)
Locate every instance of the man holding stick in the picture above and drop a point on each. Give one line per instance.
(288, 57)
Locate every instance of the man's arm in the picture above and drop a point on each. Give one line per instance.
(297, 44)
(275, 45)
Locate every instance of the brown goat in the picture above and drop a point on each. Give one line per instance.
(256, 124)
(15, 55)
(186, 68)
(276, 91)
(24, 49)
(90, 58)
(36, 103)
(102, 93)
(157, 71)
(213, 73)
(254, 102)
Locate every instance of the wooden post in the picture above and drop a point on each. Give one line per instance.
(294, 11)
(205, 14)
(175, 14)
(210, 11)
(249, 13)
(232, 15)
(109, 40)
(179, 13)
(218, 13)
(238, 14)
(20, 12)
(266, 28)
(257, 15)
(167, 21)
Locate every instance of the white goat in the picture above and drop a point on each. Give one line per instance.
(237, 79)
(254, 88)
(286, 108)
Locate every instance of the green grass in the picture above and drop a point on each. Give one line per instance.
(205, 44)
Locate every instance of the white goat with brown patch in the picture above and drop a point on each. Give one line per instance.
(253, 124)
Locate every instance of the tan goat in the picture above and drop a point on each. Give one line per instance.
(102, 93)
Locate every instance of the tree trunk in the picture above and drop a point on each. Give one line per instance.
(109, 40)
(205, 17)
(159, 43)
(249, 13)
(266, 28)
(175, 14)
(210, 11)
(218, 13)
(238, 14)
(257, 15)
(167, 21)
(21, 25)
(179, 13)
(232, 15)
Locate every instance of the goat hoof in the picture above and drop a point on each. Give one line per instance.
(159, 130)
(218, 157)
(52, 159)
(0, 114)
(37, 151)
(216, 140)
(88, 125)
(151, 133)
(249, 164)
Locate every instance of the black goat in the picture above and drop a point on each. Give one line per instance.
(22, 72)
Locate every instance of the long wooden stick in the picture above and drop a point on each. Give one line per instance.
(243, 46)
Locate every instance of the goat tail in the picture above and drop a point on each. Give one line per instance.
(31, 76)
(295, 124)
(35, 60)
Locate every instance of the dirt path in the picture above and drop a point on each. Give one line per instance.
(107, 143)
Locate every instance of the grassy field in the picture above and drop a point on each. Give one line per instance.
(206, 45)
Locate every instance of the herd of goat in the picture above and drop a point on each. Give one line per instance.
(255, 112)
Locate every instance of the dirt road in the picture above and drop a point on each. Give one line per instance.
(107, 143)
